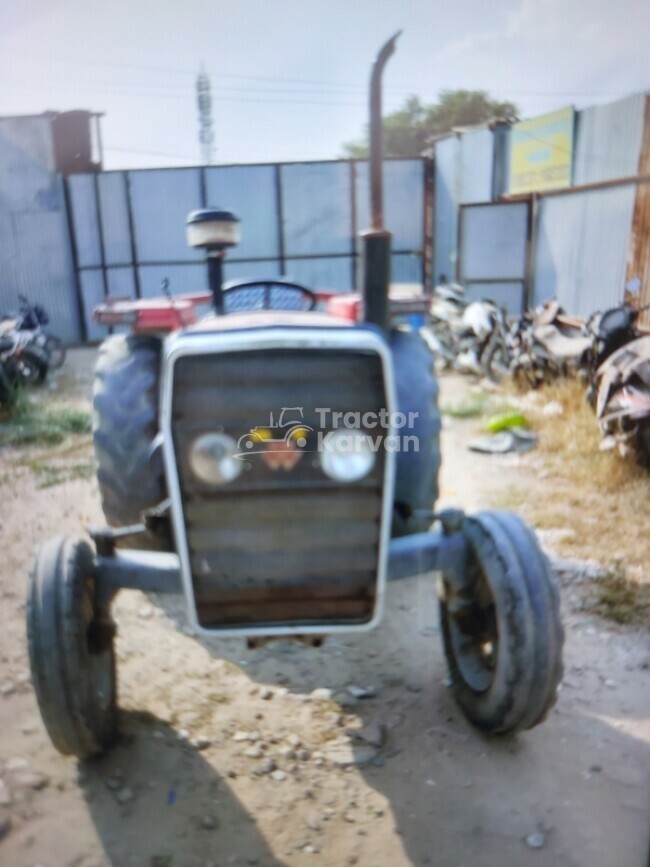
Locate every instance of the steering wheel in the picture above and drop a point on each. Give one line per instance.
(267, 295)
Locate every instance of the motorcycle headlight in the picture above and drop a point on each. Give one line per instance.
(347, 455)
(212, 458)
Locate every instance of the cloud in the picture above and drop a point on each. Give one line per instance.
(553, 52)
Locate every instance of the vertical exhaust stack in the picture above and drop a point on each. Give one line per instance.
(376, 240)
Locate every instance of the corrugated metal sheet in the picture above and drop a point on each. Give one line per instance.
(322, 273)
(494, 242)
(445, 219)
(121, 282)
(249, 191)
(476, 155)
(493, 252)
(316, 208)
(161, 201)
(608, 140)
(35, 256)
(84, 217)
(182, 279)
(582, 248)
(403, 201)
(251, 270)
(92, 290)
(507, 295)
(115, 218)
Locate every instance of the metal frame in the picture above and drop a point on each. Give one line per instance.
(525, 281)
(435, 551)
(178, 346)
(281, 257)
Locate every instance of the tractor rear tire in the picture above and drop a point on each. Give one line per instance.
(71, 650)
(130, 470)
(416, 476)
(504, 642)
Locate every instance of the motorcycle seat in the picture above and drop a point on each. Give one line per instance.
(560, 345)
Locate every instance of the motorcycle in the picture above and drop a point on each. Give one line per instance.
(623, 399)
(21, 363)
(543, 348)
(612, 329)
(31, 319)
(479, 334)
(448, 304)
(459, 331)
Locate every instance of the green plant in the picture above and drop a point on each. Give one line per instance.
(29, 423)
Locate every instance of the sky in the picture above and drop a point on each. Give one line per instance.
(289, 77)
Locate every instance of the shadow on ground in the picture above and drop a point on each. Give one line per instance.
(579, 782)
(175, 811)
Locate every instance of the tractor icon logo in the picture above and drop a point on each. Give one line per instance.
(279, 443)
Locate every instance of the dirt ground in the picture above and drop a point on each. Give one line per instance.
(394, 778)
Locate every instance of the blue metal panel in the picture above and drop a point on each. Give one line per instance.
(446, 195)
(476, 154)
(84, 218)
(121, 283)
(182, 279)
(115, 218)
(582, 248)
(406, 268)
(507, 295)
(322, 273)
(403, 201)
(250, 192)
(35, 256)
(92, 290)
(316, 208)
(494, 242)
(161, 202)
(251, 270)
(608, 140)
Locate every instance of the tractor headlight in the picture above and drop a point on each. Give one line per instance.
(212, 458)
(347, 455)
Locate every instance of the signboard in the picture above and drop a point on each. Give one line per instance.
(541, 152)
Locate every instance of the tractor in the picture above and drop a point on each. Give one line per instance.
(297, 539)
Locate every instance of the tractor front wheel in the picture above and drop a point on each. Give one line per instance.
(501, 631)
(71, 651)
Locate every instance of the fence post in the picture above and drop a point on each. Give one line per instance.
(74, 254)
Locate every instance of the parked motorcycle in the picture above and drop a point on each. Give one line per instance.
(448, 304)
(32, 319)
(21, 363)
(480, 331)
(460, 331)
(543, 348)
(623, 402)
(611, 330)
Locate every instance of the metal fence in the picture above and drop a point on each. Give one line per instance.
(494, 245)
(299, 220)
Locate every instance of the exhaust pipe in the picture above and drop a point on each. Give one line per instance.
(376, 241)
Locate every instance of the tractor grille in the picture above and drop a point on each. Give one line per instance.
(279, 545)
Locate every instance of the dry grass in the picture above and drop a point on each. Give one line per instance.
(603, 498)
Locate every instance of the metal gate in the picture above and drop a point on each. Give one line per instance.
(494, 252)
(299, 220)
